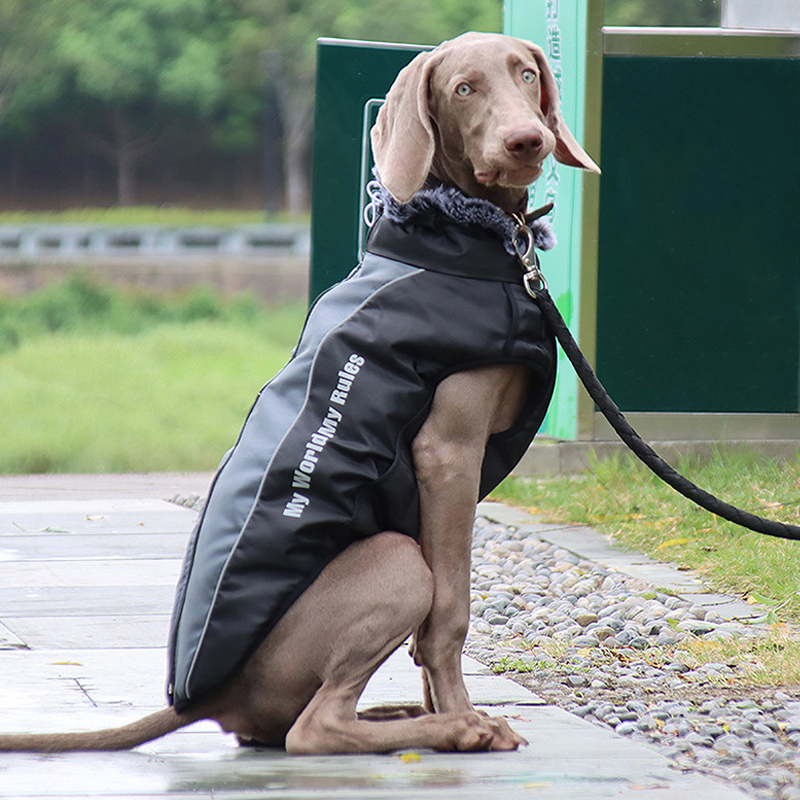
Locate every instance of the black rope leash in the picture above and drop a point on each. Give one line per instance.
(536, 287)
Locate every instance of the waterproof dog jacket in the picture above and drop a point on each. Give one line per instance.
(324, 456)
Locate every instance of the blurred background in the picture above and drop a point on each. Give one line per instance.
(155, 160)
(199, 103)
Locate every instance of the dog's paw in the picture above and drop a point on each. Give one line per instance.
(475, 730)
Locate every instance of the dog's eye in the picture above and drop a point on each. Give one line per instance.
(464, 90)
(528, 75)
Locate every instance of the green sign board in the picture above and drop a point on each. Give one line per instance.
(565, 29)
(352, 80)
(688, 302)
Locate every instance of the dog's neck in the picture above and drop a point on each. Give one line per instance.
(471, 212)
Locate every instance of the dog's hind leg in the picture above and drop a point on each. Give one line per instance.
(360, 609)
(338, 632)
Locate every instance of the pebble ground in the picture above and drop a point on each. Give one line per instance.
(607, 647)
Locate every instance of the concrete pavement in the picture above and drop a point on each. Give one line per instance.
(88, 566)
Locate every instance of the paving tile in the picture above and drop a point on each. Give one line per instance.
(135, 630)
(93, 547)
(36, 705)
(97, 629)
(74, 601)
(9, 640)
(120, 677)
(740, 610)
(117, 796)
(231, 772)
(138, 487)
(88, 775)
(100, 513)
(83, 504)
(727, 607)
(399, 681)
(89, 572)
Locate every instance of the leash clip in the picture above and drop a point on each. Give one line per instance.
(533, 280)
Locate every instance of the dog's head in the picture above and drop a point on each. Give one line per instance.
(480, 112)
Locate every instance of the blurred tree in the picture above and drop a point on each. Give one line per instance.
(122, 77)
(134, 63)
(27, 30)
(686, 13)
(277, 40)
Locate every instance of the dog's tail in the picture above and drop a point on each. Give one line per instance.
(143, 730)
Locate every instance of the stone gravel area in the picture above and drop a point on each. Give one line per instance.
(607, 647)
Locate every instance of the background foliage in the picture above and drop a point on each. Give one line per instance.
(198, 102)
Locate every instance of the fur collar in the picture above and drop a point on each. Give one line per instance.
(471, 212)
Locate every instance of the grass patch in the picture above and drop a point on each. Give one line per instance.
(171, 398)
(621, 497)
(769, 660)
(507, 664)
(117, 382)
(144, 215)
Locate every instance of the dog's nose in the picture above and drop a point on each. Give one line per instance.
(523, 141)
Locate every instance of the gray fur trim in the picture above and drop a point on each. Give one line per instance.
(465, 210)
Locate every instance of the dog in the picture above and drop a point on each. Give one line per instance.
(340, 524)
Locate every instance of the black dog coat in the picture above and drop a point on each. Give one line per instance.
(324, 456)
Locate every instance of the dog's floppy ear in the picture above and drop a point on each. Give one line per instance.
(402, 137)
(567, 151)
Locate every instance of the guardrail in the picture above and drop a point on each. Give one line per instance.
(26, 242)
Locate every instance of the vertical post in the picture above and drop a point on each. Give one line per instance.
(570, 31)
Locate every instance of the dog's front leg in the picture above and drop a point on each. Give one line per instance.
(448, 455)
(448, 492)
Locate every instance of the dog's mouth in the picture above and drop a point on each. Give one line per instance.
(516, 177)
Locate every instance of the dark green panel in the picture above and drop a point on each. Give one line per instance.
(699, 258)
(349, 74)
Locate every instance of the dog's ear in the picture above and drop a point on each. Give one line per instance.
(567, 151)
(402, 137)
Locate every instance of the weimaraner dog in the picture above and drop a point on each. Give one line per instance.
(479, 113)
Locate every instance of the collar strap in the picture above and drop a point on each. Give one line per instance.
(469, 212)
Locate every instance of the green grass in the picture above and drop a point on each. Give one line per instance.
(143, 215)
(94, 380)
(771, 660)
(620, 497)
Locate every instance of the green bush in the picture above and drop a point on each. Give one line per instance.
(81, 304)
